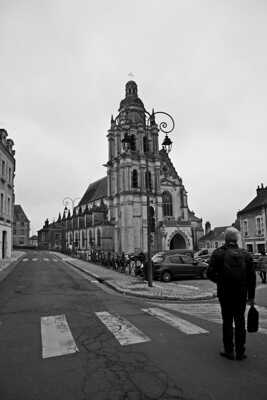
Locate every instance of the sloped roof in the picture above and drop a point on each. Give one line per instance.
(19, 214)
(216, 234)
(96, 190)
(259, 201)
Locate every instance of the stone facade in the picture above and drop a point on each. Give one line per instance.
(112, 214)
(7, 173)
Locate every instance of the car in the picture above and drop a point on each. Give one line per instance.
(166, 266)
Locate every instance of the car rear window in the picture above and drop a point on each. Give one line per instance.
(174, 259)
(157, 258)
(186, 259)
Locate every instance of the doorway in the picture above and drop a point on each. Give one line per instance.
(177, 242)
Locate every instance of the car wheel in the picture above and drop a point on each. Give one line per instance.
(166, 276)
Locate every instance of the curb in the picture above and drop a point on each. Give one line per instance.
(130, 293)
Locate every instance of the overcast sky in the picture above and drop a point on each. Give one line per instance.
(63, 69)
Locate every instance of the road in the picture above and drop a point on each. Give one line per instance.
(65, 336)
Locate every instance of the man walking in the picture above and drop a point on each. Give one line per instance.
(263, 266)
(232, 269)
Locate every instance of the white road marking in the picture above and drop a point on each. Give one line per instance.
(94, 281)
(212, 312)
(55, 260)
(25, 259)
(176, 322)
(35, 259)
(123, 330)
(45, 259)
(57, 339)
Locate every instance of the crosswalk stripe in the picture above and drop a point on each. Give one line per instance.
(57, 339)
(175, 321)
(25, 259)
(125, 332)
(35, 259)
(45, 259)
(212, 312)
(55, 260)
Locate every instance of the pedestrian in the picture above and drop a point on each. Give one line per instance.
(263, 266)
(232, 269)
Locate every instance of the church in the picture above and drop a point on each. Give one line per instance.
(141, 191)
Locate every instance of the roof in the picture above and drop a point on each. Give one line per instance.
(19, 214)
(216, 234)
(96, 190)
(258, 202)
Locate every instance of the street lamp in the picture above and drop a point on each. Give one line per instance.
(69, 203)
(127, 141)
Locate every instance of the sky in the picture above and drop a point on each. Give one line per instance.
(63, 69)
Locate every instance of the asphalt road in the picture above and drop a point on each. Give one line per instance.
(114, 347)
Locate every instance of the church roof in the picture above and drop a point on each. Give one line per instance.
(96, 190)
(216, 234)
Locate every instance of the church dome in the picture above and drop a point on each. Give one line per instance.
(131, 97)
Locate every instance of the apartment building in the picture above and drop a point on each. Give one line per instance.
(7, 170)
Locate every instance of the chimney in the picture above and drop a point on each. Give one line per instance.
(261, 189)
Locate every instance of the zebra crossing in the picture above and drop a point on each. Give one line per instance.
(57, 339)
(40, 259)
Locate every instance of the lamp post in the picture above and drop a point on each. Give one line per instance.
(166, 145)
(69, 203)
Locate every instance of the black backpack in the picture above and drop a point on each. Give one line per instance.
(234, 270)
(253, 320)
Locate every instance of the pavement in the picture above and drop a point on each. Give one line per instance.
(138, 287)
(8, 264)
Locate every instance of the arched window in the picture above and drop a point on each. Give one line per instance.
(134, 178)
(148, 180)
(133, 143)
(145, 144)
(98, 238)
(167, 204)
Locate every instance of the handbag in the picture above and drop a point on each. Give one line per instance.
(253, 319)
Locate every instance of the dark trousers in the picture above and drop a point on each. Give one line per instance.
(233, 310)
(263, 276)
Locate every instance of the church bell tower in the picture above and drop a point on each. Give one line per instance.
(133, 168)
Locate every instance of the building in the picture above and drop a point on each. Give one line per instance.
(253, 222)
(33, 241)
(52, 235)
(112, 214)
(21, 227)
(7, 173)
(214, 238)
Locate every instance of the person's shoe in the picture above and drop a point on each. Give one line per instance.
(240, 357)
(228, 354)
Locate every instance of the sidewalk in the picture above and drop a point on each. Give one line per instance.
(135, 286)
(6, 265)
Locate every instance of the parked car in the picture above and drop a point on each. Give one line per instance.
(168, 266)
(204, 255)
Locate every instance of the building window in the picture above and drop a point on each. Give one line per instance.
(250, 248)
(134, 178)
(98, 238)
(9, 175)
(167, 204)
(245, 228)
(259, 225)
(216, 245)
(145, 144)
(2, 203)
(3, 167)
(8, 206)
(133, 143)
(148, 180)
